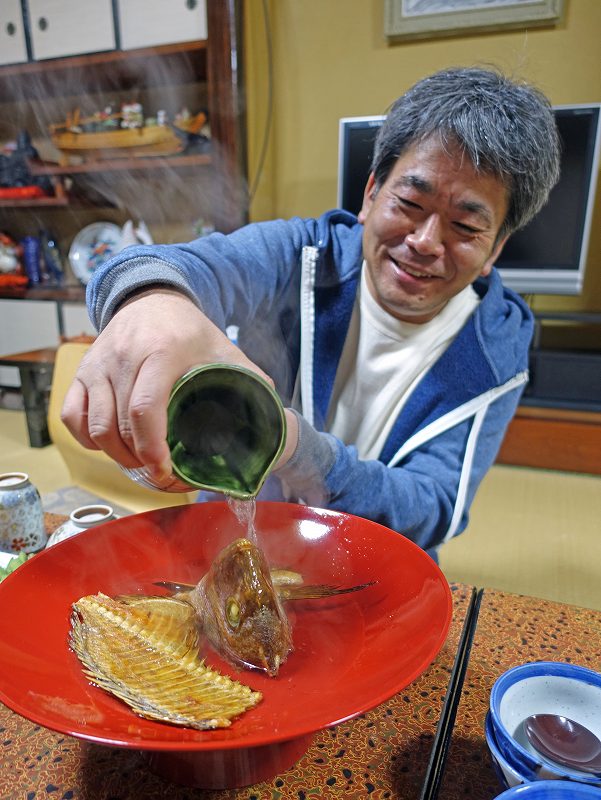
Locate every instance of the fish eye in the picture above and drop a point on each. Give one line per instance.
(232, 612)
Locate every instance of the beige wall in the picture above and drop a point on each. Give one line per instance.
(331, 59)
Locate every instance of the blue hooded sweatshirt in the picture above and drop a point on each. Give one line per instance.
(289, 287)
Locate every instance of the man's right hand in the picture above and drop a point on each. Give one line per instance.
(118, 400)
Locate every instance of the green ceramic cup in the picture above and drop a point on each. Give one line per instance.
(226, 428)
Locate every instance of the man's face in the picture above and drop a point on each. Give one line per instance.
(430, 230)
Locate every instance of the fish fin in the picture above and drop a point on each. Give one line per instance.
(175, 586)
(279, 577)
(317, 591)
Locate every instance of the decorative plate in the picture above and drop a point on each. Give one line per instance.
(91, 246)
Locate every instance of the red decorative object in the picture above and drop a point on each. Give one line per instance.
(13, 279)
(21, 192)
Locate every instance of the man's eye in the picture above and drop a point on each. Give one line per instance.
(408, 206)
(466, 228)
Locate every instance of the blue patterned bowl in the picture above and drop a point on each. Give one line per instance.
(507, 775)
(543, 687)
(550, 790)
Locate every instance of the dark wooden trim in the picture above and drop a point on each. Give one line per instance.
(35, 79)
(227, 116)
(67, 294)
(553, 438)
(124, 164)
(109, 57)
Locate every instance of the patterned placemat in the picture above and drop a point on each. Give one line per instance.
(68, 498)
(381, 754)
(511, 629)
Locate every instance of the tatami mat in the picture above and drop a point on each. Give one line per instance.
(45, 468)
(44, 465)
(531, 531)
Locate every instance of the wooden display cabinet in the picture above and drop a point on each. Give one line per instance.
(169, 193)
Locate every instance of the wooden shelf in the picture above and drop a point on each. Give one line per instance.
(36, 202)
(131, 164)
(67, 294)
(209, 70)
(123, 164)
(59, 199)
(183, 63)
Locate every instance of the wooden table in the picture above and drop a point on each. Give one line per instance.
(35, 371)
(425, 742)
(382, 754)
(509, 629)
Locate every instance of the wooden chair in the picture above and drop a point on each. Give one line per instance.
(93, 470)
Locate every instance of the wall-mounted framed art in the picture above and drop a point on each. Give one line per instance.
(425, 19)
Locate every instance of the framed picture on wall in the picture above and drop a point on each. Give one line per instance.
(425, 19)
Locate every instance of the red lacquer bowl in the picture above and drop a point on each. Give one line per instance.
(351, 652)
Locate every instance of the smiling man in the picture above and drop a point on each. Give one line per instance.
(430, 230)
(390, 338)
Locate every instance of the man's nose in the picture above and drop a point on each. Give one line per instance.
(427, 237)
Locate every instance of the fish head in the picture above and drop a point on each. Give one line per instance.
(242, 613)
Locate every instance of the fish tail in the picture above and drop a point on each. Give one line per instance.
(318, 590)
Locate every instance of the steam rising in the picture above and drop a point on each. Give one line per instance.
(173, 200)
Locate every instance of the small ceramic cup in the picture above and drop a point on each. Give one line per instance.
(21, 515)
(80, 520)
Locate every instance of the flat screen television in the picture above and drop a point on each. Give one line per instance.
(549, 255)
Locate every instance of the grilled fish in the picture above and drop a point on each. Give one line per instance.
(144, 650)
(239, 603)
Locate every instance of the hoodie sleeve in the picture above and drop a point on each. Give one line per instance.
(232, 278)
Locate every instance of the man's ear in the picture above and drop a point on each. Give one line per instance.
(368, 197)
(490, 261)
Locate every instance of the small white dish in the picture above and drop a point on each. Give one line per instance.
(91, 246)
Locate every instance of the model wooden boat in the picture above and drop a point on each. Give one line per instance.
(125, 137)
(126, 142)
(71, 138)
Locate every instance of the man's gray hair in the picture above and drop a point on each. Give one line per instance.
(505, 127)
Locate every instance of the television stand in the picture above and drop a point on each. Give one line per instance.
(558, 423)
(565, 361)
